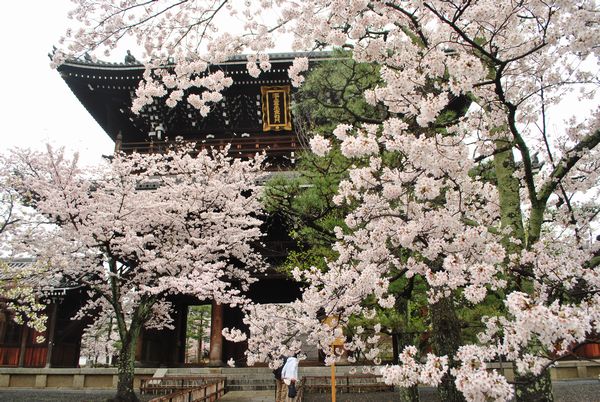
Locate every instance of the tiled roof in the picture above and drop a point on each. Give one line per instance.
(53, 287)
(237, 59)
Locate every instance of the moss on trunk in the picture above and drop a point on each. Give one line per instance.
(410, 394)
(126, 367)
(508, 192)
(446, 338)
(532, 388)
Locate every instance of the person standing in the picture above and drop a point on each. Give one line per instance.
(289, 374)
(281, 388)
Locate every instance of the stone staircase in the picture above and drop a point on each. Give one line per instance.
(252, 378)
(238, 379)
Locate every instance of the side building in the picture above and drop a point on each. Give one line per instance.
(20, 345)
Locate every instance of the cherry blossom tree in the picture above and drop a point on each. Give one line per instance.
(142, 228)
(20, 226)
(499, 200)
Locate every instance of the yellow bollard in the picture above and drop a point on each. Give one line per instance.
(333, 381)
(333, 322)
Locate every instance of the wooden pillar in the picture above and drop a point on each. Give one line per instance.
(139, 347)
(113, 117)
(119, 142)
(177, 355)
(182, 339)
(215, 355)
(24, 334)
(50, 333)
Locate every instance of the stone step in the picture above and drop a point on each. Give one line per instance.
(248, 396)
(250, 387)
(267, 384)
(233, 371)
(249, 380)
(250, 383)
(254, 378)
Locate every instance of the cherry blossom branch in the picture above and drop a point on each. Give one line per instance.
(566, 163)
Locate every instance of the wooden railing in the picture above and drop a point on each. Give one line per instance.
(210, 391)
(300, 390)
(273, 145)
(346, 383)
(172, 384)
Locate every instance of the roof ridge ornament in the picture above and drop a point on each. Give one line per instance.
(130, 59)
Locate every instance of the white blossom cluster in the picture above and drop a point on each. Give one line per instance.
(320, 146)
(411, 372)
(299, 65)
(99, 341)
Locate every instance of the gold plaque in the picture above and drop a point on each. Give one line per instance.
(276, 113)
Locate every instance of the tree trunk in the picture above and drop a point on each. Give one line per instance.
(106, 348)
(535, 224)
(532, 388)
(200, 335)
(126, 368)
(401, 340)
(510, 201)
(446, 339)
(410, 394)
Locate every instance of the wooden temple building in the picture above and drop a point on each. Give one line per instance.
(253, 116)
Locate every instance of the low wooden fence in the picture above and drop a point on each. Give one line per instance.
(211, 391)
(346, 383)
(300, 389)
(167, 385)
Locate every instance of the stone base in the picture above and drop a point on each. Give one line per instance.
(106, 378)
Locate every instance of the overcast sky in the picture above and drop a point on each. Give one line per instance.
(37, 105)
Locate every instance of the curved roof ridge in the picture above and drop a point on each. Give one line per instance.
(236, 59)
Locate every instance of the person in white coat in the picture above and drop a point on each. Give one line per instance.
(289, 375)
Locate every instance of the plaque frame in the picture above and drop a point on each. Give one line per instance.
(270, 106)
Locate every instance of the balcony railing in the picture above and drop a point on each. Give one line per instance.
(243, 147)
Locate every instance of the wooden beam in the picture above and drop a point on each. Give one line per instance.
(50, 333)
(23, 347)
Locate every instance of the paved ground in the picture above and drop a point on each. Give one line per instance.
(564, 391)
(58, 395)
